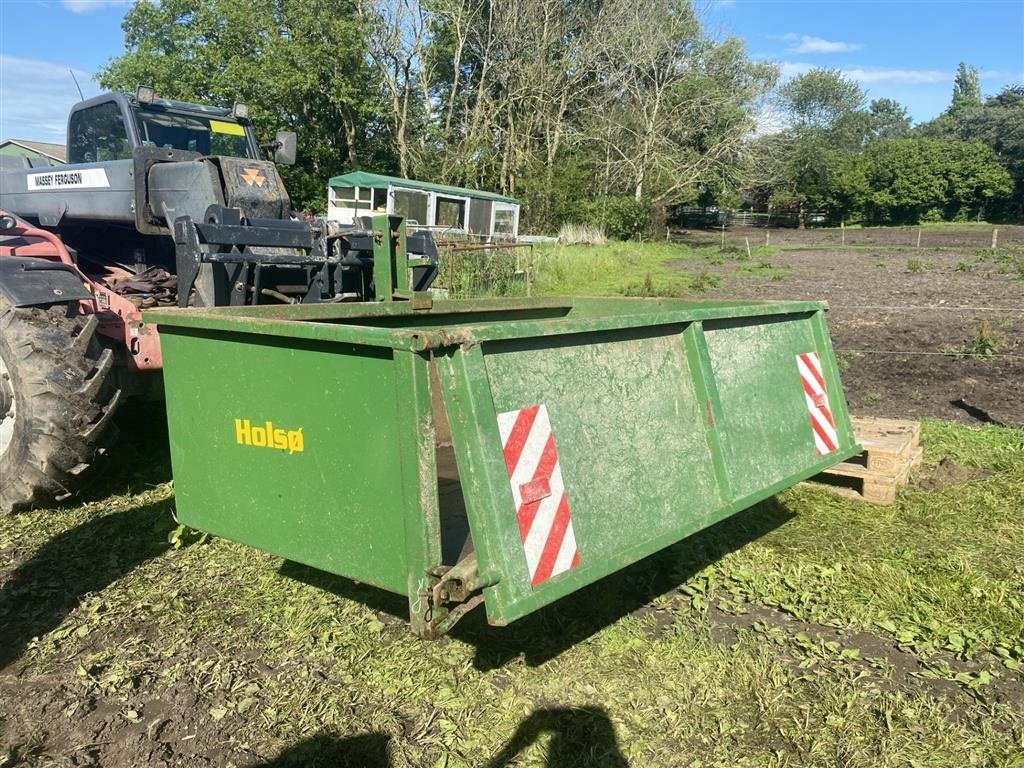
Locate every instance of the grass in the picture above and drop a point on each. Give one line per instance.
(810, 630)
(643, 269)
(985, 344)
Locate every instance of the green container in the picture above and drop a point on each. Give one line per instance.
(499, 451)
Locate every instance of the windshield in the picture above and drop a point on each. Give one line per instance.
(206, 135)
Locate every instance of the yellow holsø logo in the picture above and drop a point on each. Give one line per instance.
(268, 436)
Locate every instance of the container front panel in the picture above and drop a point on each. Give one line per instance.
(614, 460)
(768, 430)
(289, 446)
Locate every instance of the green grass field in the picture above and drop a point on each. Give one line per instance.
(808, 631)
(665, 269)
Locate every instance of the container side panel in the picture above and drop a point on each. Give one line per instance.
(605, 452)
(767, 431)
(290, 446)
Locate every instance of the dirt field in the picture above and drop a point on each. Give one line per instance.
(807, 631)
(899, 314)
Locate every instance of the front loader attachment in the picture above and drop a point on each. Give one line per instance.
(230, 260)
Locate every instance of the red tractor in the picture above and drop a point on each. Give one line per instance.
(161, 202)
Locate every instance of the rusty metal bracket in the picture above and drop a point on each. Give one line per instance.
(455, 593)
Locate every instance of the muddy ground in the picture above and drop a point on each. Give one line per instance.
(915, 329)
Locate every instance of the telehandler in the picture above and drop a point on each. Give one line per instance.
(161, 203)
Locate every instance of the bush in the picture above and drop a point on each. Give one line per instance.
(621, 218)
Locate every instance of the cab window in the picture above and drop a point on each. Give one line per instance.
(98, 134)
(192, 133)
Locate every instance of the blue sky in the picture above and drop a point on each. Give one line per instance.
(907, 51)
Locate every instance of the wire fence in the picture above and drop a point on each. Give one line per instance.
(961, 353)
(971, 237)
(927, 308)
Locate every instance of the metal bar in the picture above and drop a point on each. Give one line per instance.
(226, 234)
(383, 280)
(454, 246)
(400, 255)
(261, 321)
(699, 361)
(244, 257)
(187, 258)
(476, 441)
(422, 517)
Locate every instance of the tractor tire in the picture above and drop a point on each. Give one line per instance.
(57, 400)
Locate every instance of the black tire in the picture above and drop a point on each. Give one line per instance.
(64, 398)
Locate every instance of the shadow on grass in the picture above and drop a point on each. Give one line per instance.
(38, 595)
(367, 750)
(580, 738)
(543, 635)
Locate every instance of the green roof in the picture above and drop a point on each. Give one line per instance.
(376, 181)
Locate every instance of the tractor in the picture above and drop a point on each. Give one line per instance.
(161, 203)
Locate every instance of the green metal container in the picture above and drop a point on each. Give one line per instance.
(499, 451)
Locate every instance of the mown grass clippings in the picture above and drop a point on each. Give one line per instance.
(809, 630)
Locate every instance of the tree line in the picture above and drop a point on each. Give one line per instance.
(859, 161)
(585, 110)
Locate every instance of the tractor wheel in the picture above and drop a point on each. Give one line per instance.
(57, 397)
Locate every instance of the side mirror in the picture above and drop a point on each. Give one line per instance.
(286, 142)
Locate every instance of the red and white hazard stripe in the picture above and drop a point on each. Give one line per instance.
(822, 424)
(542, 506)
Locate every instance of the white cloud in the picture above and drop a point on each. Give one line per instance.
(808, 44)
(874, 75)
(36, 96)
(790, 69)
(902, 76)
(88, 6)
(1001, 76)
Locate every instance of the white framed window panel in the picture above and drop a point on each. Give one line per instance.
(512, 208)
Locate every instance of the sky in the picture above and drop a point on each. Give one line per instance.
(907, 51)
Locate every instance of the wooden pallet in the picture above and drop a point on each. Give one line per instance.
(891, 450)
(888, 443)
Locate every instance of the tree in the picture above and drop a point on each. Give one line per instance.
(827, 122)
(557, 102)
(966, 89)
(820, 99)
(561, 101)
(298, 64)
(888, 119)
(673, 106)
(999, 124)
(910, 178)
